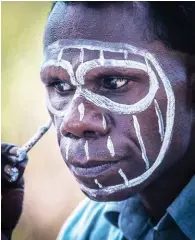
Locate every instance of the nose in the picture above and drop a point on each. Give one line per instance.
(84, 119)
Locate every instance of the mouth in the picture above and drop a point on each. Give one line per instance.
(92, 170)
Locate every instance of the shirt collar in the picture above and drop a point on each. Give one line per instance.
(182, 210)
(131, 217)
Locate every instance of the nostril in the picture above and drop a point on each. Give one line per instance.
(90, 134)
(72, 136)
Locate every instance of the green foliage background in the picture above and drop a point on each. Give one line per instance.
(48, 201)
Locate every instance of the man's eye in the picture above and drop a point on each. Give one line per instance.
(114, 82)
(62, 87)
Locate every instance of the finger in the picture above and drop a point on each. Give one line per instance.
(11, 174)
(5, 147)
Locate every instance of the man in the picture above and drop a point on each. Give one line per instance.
(120, 80)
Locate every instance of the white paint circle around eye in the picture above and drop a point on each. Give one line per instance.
(170, 114)
(127, 109)
(106, 103)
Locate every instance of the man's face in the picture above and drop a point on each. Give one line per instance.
(118, 101)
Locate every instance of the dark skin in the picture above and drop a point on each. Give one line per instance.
(125, 23)
(81, 22)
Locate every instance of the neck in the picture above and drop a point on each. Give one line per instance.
(160, 194)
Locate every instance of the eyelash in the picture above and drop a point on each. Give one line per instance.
(52, 83)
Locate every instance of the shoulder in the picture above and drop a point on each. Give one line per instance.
(87, 222)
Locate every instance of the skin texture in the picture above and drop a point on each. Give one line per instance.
(125, 23)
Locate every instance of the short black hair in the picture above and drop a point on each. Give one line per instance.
(173, 23)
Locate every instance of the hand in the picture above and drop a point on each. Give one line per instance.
(12, 192)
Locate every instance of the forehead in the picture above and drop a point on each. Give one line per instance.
(113, 22)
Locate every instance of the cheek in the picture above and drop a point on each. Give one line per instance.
(151, 131)
(57, 122)
(183, 122)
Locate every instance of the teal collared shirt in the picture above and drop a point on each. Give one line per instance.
(128, 220)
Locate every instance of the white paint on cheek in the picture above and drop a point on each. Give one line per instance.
(99, 185)
(110, 146)
(67, 148)
(124, 177)
(143, 104)
(141, 143)
(103, 122)
(160, 120)
(102, 57)
(81, 109)
(86, 150)
(82, 55)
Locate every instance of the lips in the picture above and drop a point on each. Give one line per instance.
(92, 170)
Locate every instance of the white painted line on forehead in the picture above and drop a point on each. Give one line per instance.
(96, 45)
(103, 122)
(86, 150)
(110, 146)
(125, 54)
(124, 177)
(160, 120)
(141, 143)
(81, 109)
(99, 185)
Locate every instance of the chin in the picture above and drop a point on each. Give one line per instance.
(116, 196)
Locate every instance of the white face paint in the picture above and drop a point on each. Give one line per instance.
(101, 57)
(110, 146)
(160, 120)
(99, 185)
(87, 150)
(103, 102)
(81, 109)
(67, 147)
(82, 55)
(141, 143)
(103, 122)
(124, 177)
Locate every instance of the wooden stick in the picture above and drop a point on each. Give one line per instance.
(21, 152)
